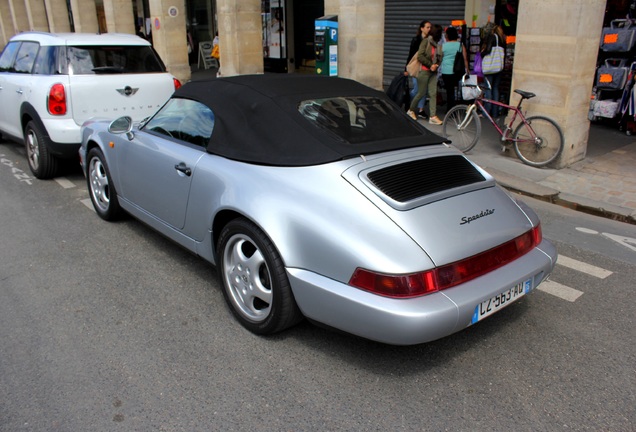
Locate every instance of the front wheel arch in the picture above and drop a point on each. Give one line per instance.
(101, 188)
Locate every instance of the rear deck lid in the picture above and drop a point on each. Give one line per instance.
(451, 208)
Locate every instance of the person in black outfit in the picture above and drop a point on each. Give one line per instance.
(451, 80)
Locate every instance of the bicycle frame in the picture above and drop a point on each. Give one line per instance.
(479, 104)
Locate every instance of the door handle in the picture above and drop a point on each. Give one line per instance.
(183, 168)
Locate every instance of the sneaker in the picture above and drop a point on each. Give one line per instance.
(422, 115)
(411, 114)
(435, 120)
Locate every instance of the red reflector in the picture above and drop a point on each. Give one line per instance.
(450, 275)
(177, 83)
(57, 100)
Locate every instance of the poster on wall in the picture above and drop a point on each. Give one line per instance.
(273, 18)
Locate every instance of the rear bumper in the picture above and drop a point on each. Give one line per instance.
(65, 137)
(416, 320)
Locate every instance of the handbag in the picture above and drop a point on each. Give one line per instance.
(493, 62)
(414, 67)
(477, 65)
(470, 89)
(458, 65)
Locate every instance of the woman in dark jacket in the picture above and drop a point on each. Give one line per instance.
(422, 32)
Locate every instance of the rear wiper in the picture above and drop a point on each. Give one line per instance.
(108, 69)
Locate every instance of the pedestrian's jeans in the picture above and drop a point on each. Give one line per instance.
(420, 105)
(494, 80)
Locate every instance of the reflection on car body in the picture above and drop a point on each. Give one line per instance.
(318, 197)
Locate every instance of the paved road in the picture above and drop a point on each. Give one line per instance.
(112, 327)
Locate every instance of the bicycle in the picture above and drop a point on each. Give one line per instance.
(537, 140)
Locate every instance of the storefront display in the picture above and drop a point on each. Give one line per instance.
(613, 99)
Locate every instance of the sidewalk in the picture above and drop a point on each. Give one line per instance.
(604, 183)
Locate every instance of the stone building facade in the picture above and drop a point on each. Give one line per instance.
(555, 57)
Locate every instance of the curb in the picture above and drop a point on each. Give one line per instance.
(574, 202)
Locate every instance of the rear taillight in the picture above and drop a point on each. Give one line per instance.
(177, 83)
(450, 275)
(57, 100)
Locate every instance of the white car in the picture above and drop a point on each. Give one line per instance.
(52, 83)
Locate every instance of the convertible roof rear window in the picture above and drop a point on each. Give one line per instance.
(358, 119)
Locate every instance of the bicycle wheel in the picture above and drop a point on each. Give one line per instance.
(463, 138)
(546, 148)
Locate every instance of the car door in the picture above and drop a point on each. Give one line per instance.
(6, 85)
(19, 87)
(156, 168)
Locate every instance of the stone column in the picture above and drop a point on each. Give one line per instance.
(6, 23)
(37, 15)
(555, 57)
(119, 16)
(57, 16)
(240, 37)
(169, 36)
(4, 37)
(18, 15)
(84, 16)
(360, 39)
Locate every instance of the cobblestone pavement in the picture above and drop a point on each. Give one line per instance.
(610, 178)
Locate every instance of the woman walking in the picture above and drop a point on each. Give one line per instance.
(427, 78)
(422, 32)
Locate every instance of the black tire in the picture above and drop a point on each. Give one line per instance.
(466, 138)
(254, 279)
(548, 147)
(100, 186)
(42, 163)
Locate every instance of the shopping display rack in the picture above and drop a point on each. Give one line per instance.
(613, 97)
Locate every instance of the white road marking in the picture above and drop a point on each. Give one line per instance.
(583, 267)
(561, 291)
(565, 292)
(625, 241)
(586, 230)
(64, 182)
(88, 203)
(628, 242)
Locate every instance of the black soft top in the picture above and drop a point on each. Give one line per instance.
(257, 119)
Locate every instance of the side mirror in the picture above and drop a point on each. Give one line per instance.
(122, 125)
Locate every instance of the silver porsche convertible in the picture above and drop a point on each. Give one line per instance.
(318, 197)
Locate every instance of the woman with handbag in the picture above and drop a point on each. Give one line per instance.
(454, 65)
(427, 78)
(422, 32)
(492, 51)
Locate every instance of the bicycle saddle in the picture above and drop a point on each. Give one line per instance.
(525, 94)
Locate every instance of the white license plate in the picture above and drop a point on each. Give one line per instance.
(500, 301)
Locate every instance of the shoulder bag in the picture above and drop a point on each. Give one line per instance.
(458, 65)
(493, 62)
(414, 67)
